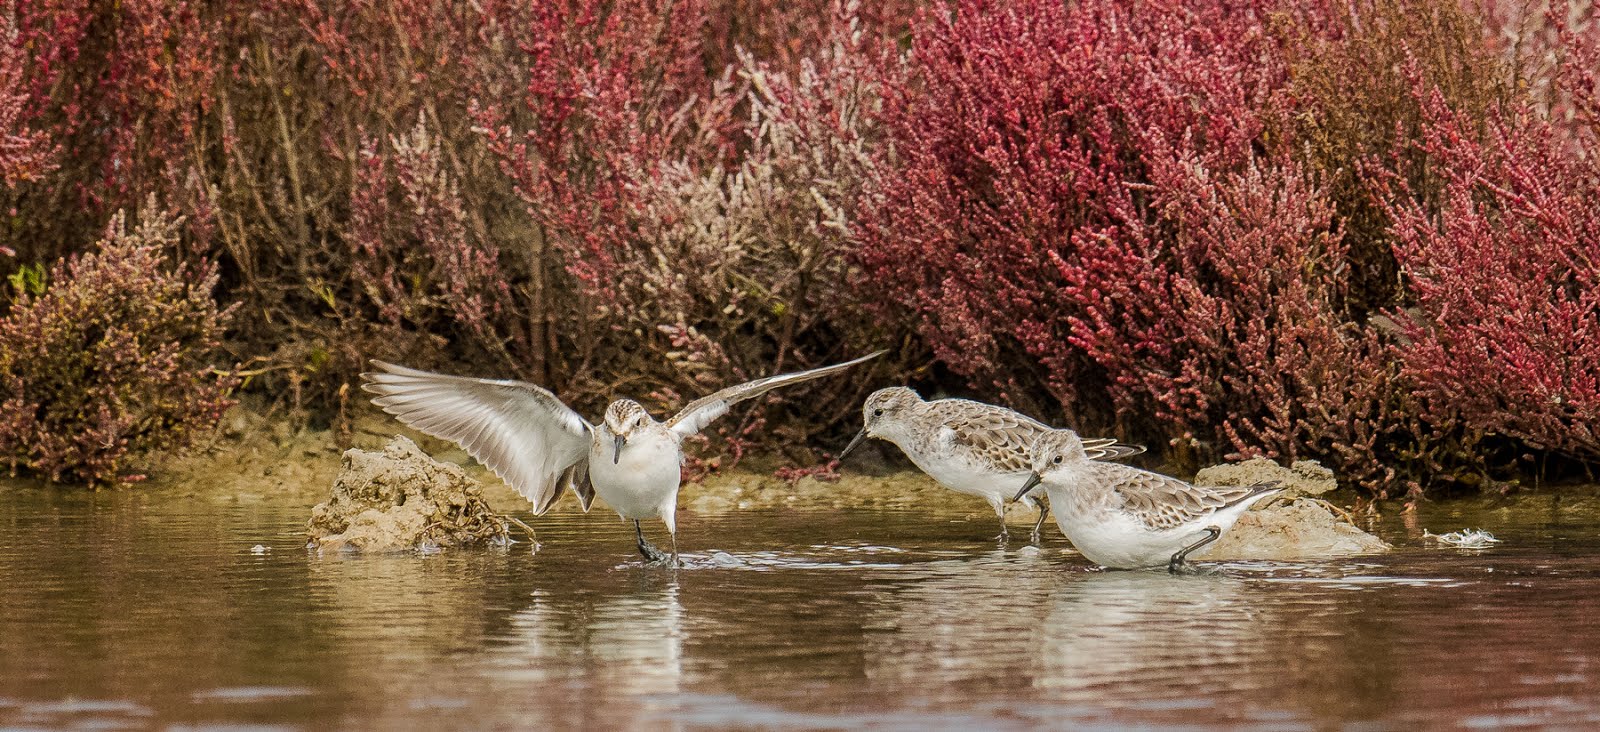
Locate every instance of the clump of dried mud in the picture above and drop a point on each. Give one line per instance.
(399, 499)
(1292, 525)
(1303, 478)
(1299, 529)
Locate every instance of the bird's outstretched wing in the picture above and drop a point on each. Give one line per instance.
(702, 411)
(522, 432)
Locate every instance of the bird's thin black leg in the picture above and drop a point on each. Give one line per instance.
(1044, 513)
(651, 554)
(1176, 564)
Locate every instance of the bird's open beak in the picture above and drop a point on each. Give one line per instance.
(616, 457)
(1033, 480)
(862, 435)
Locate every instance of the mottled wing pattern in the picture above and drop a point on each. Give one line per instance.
(523, 433)
(700, 412)
(1004, 438)
(1164, 503)
(988, 434)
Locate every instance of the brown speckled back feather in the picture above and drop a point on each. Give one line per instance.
(1004, 437)
(1163, 502)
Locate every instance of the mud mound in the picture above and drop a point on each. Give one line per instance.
(1301, 529)
(1284, 529)
(401, 499)
(1304, 478)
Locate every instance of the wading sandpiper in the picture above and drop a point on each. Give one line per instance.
(969, 447)
(1126, 518)
(541, 447)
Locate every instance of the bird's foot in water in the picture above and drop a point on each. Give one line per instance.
(652, 555)
(1190, 569)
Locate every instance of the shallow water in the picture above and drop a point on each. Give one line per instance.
(150, 609)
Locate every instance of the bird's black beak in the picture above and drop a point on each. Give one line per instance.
(616, 457)
(1033, 480)
(862, 435)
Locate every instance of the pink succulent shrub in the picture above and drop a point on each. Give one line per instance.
(1504, 268)
(1019, 133)
(1019, 136)
(606, 88)
(124, 87)
(1352, 67)
(112, 363)
(1228, 355)
(740, 270)
(701, 221)
(342, 160)
(1092, 202)
(416, 253)
(784, 34)
(1230, 227)
(25, 153)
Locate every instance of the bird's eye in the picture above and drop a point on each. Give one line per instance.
(1058, 459)
(877, 412)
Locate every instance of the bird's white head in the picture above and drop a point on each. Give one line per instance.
(1053, 452)
(624, 419)
(886, 407)
(1057, 449)
(881, 414)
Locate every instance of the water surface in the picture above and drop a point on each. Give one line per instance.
(155, 609)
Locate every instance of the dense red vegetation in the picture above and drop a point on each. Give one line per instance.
(1361, 232)
(1503, 265)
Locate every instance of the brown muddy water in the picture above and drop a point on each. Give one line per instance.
(153, 609)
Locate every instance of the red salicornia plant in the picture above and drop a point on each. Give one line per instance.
(1356, 231)
(1504, 266)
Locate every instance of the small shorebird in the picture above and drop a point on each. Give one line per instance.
(969, 447)
(1126, 518)
(541, 447)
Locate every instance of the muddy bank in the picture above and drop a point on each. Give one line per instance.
(262, 459)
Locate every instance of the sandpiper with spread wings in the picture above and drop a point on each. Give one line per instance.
(969, 447)
(1122, 517)
(541, 447)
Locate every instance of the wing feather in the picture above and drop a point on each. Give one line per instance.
(1005, 437)
(700, 412)
(522, 432)
(1113, 451)
(1164, 502)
